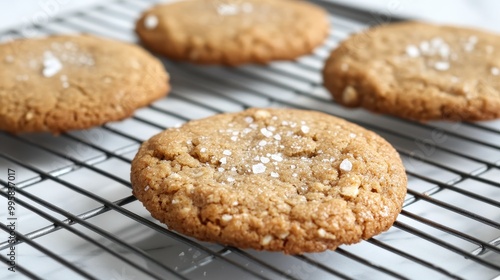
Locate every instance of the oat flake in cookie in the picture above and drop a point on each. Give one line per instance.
(233, 32)
(418, 71)
(61, 83)
(271, 179)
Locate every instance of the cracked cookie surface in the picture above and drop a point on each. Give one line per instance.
(61, 83)
(233, 32)
(271, 179)
(418, 71)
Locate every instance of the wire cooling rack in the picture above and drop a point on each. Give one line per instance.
(75, 217)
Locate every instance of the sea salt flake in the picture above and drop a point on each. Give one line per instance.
(262, 143)
(223, 160)
(51, 65)
(151, 22)
(294, 175)
(305, 129)
(226, 217)
(202, 150)
(470, 44)
(352, 135)
(266, 132)
(226, 152)
(230, 179)
(271, 128)
(264, 159)
(256, 158)
(64, 81)
(277, 137)
(346, 165)
(249, 120)
(227, 9)
(146, 188)
(424, 46)
(385, 212)
(442, 65)
(174, 176)
(412, 51)
(437, 42)
(234, 138)
(181, 254)
(233, 169)
(277, 157)
(258, 168)
(274, 175)
(220, 169)
(444, 51)
(495, 71)
(266, 240)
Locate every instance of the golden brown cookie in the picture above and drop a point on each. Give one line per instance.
(271, 179)
(418, 71)
(233, 32)
(61, 83)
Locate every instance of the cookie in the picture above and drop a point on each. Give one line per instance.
(271, 179)
(233, 32)
(61, 83)
(418, 71)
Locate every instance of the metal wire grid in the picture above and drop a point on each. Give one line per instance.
(448, 228)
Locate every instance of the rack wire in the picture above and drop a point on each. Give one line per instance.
(76, 217)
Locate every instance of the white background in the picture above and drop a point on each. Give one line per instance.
(480, 13)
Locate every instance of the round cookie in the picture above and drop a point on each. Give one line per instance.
(233, 32)
(271, 179)
(61, 83)
(418, 71)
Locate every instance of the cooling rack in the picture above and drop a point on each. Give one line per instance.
(75, 217)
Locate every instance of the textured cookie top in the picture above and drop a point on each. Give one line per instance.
(419, 71)
(273, 179)
(60, 83)
(233, 31)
